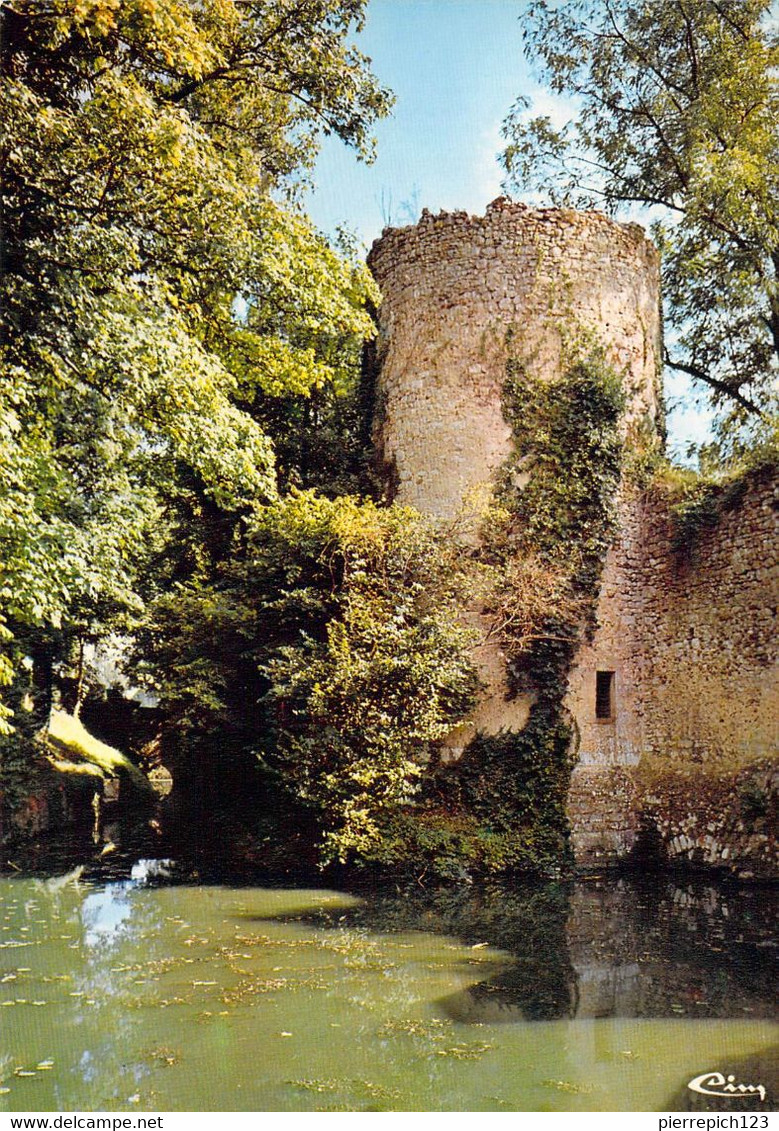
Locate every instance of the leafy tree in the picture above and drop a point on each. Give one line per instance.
(331, 645)
(678, 107)
(161, 287)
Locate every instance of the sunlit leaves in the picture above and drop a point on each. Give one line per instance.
(331, 645)
(157, 293)
(360, 704)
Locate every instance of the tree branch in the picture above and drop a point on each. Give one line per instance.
(714, 382)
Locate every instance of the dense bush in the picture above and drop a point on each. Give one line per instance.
(329, 646)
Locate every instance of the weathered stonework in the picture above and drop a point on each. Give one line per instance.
(683, 759)
(457, 290)
(461, 294)
(690, 633)
(39, 800)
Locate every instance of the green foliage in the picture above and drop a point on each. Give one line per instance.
(360, 706)
(161, 290)
(551, 528)
(500, 809)
(678, 106)
(75, 750)
(502, 806)
(330, 645)
(698, 500)
(754, 802)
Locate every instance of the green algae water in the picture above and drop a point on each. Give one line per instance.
(137, 991)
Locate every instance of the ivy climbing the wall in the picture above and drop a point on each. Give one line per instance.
(543, 546)
(344, 624)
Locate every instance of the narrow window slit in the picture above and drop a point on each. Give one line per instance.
(604, 696)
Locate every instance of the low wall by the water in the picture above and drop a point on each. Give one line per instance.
(679, 816)
(685, 762)
(35, 799)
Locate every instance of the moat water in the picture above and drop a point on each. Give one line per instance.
(133, 985)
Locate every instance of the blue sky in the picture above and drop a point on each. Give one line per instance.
(456, 67)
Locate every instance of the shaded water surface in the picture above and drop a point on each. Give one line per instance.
(131, 987)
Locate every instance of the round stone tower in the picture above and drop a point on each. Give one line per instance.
(461, 294)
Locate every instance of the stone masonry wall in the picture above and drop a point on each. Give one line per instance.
(683, 763)
(460, 295)
(690, 634)
(454, 286)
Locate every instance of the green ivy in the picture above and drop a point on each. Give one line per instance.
(703, 503)
(544, 541)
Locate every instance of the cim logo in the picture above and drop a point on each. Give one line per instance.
(715, 1084)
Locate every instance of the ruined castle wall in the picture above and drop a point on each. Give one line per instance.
(459, 292)
(690, 634)
(709, 610)
(462, 294)
(617, 646)
(689, 638)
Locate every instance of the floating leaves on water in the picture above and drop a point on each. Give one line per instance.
(315, 1085)
(162, 1055)
(366, 1089)
(247, 990)
(434, 1033)
(161, 965)
(433, 1030)
(472, 1050)
(375, 1091)
(567, 1086)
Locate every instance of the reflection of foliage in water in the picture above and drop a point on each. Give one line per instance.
(528, 922)
(156, 984)
(609, 948)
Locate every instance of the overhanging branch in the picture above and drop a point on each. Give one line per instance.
(714, 382)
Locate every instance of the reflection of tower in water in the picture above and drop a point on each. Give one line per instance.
(624, 950)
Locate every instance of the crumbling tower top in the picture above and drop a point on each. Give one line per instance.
(460, 292)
